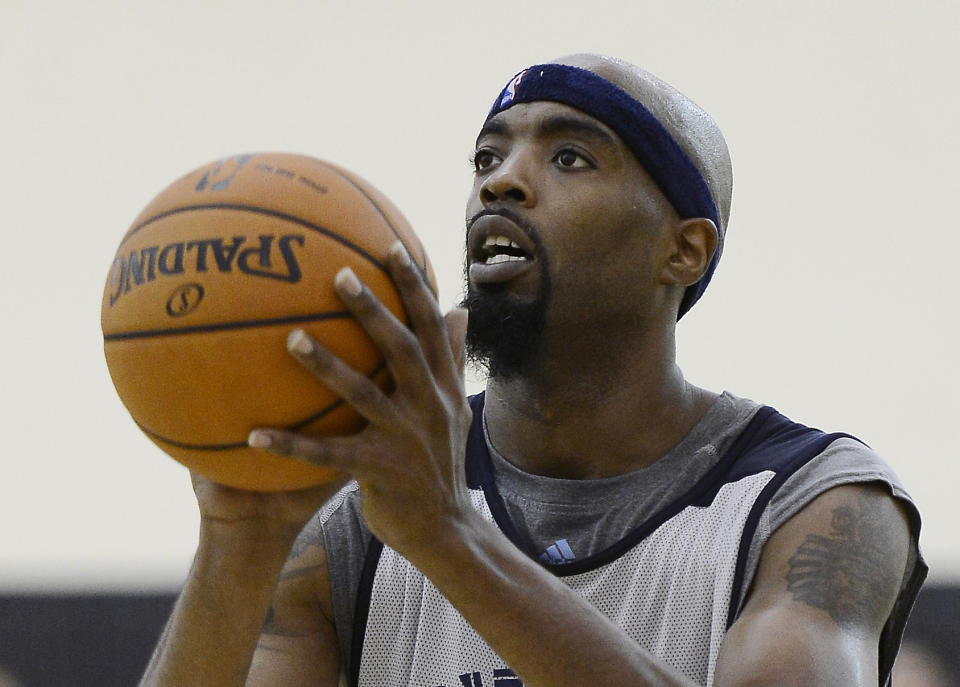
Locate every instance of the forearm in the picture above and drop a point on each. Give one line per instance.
(506, 590)
(213, 630)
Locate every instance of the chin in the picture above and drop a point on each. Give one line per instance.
(504, 332)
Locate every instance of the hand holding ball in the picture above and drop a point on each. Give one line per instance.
(207, 284)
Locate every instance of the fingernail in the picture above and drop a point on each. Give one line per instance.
(298, 342)
(258, 439)
(398, 252)
(347, 281)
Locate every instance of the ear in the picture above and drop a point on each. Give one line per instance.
(694, 241)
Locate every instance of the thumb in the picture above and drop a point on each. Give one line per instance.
(456, 325)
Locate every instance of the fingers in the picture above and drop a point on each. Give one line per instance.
(426, 320)
(355, 388)
(417, 355)
(340, 453)
(392, 338)
(423, 361)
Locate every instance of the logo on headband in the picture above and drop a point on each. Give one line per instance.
(510, 92)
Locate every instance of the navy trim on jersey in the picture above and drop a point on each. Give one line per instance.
(479, 471)
(894, 628)
(362, 609)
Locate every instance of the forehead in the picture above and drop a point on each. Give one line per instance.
(546, 118)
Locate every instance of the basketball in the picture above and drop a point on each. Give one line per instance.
(208, 282)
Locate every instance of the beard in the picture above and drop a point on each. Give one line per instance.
(505, 335)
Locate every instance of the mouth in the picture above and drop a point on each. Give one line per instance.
(499, 250)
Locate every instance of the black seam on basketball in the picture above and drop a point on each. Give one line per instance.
(366, 195)
(270, 213)
(421, 268)
(191, 447)
(226, 326)
(295, 427)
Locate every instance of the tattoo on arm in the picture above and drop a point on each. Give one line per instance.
(845, 572)
(272, 630)
(271, 626)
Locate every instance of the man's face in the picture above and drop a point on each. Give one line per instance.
(563, 228)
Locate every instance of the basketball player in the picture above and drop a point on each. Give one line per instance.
(593, 518)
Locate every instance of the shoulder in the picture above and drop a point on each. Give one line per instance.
(837, 476)
(844, 553)
(807, 463)
(826, 587)
(832, 465)
(842, 462)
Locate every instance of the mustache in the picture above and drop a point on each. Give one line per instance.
(509, 214)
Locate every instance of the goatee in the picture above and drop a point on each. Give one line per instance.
(505, 332)
(504, 336)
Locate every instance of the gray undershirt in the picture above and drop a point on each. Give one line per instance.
(590, 515)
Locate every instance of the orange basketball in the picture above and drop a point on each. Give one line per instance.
(205, 287)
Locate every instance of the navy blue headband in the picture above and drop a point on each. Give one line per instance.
(658, 152)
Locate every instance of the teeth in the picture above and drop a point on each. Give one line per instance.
(502, 257)
(496, 249)
(492, 241)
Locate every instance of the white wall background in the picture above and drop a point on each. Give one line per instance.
(834, 300)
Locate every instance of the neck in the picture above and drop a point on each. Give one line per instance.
(598, 408)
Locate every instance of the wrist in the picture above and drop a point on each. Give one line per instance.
(460, 542)
(243, 546)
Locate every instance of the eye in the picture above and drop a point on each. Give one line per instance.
(571, 159)
(484, 159)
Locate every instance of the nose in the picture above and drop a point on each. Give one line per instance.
(507, 184)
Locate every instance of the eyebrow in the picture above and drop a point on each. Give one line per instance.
(553, 125)
(493, 127)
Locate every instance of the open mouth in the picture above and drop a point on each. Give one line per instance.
(499, 250)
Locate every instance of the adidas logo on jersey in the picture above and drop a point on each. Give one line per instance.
(558, 552)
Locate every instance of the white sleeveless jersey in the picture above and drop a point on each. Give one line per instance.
(672, 584)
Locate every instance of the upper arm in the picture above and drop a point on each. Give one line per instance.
(298, 643)
(825, 586)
